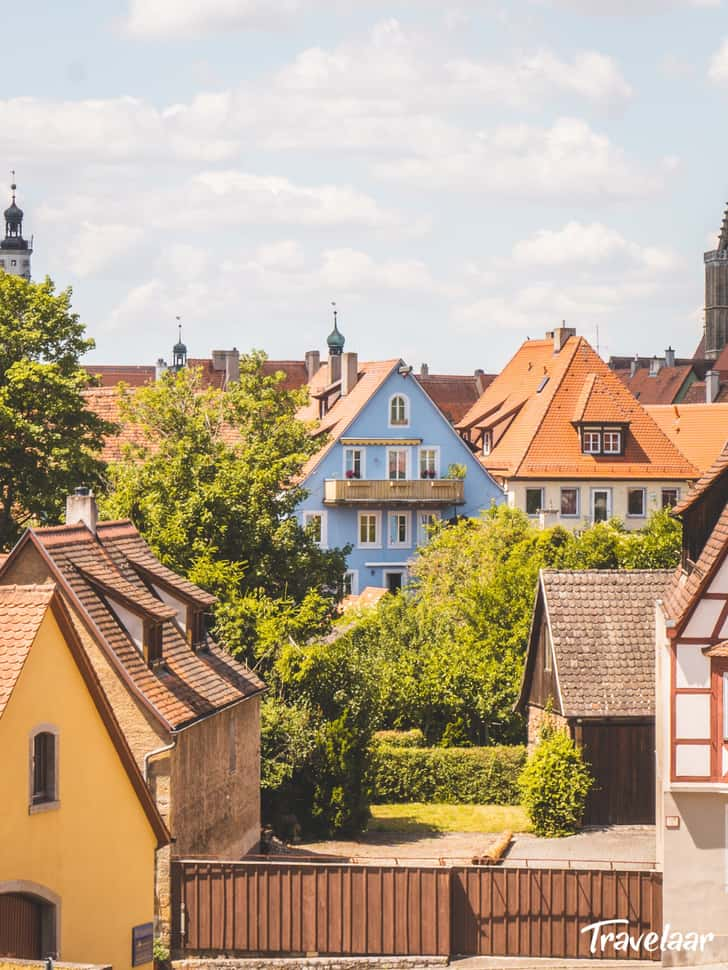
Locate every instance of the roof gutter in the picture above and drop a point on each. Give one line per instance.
(153, 754)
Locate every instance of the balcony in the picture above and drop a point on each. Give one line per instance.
(358, 491)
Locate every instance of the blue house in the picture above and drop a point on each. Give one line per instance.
(389, 466)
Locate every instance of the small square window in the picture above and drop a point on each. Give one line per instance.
(612, 442)
(534, 500)
(636, 502)
(570, 501)
(591, 442)
(13, 262)
(670, 497)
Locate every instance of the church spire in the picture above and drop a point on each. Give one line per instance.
(723, 238)
(14, 249)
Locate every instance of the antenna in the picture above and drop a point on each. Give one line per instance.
(597, 338)
(13, 186)
(333, 304)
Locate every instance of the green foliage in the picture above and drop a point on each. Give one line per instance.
(212, 489)
(555, 783)
(457, 471)
(160, 952)
(49, 440)
(413, 738)
(487, 776)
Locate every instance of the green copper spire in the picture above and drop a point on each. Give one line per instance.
(335, 339)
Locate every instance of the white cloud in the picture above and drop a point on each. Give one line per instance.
(162, 18)
(97, 245)
(628, 7)
(567, 160)
(593, 245)
(718, 69)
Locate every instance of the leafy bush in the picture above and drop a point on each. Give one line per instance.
(401, 739)
(555, 783)
(487, 776)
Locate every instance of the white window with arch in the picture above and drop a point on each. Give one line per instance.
(43, 768)
(315, 523)
(398, 411)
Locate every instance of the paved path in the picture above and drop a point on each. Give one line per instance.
(632, 845)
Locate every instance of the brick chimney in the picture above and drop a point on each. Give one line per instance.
(712, 386)
(313, 362)
(81, 507)
(349, 372)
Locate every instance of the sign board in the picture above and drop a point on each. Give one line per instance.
(142, 944)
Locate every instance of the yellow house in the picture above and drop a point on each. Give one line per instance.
(78, 827)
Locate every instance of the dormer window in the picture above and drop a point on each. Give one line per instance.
(591, 442)
(612, 442)
(602, 440)
(487, 442)
(398, 411)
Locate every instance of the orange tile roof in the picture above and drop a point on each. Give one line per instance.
(191, 683)
(454, 394)
(22, 609)
(662, 388)
(372, 374)
(699, 431)
(540, 440)
(136, 375)
(687, 588)
(716, 470)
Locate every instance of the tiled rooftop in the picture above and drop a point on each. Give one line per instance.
(699, 431)
(22, 609)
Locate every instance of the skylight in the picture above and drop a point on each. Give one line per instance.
(544, 381)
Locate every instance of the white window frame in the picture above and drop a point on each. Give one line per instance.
(436, 451)
(362, 461)
(662, 496)
(643, 513)
(35, 807)
(591, 451)
(398, 424)
(406, 463)
(353, 574)
(571, 488)
(612, 451)
(422, 537)
(407, 542)
(309, 514)
(533, 488)
(487, 442)
(592, 495)
(377, 544)
(394, 572)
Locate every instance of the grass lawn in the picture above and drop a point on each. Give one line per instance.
(416, 817)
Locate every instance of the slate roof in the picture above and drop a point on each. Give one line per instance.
(699, 431)
(22, 609)
(661, 388)
(191, 683)
(602, 624)
(537, 396)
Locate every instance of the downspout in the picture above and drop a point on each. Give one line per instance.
(154, 753)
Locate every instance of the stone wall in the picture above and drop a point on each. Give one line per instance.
(216, 784)
(15, 963)
(535, 719)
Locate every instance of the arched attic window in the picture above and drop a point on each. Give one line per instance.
(398, 411)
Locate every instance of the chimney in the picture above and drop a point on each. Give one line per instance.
(712, 386)
(634, 365)
(669, 357)
(160, 368)
(560, 335)
(424, 370)
(228, 361)
(81, 507)
(655, 364)
(313, 362)
(334, 368)
(479, 374)
(349, 372)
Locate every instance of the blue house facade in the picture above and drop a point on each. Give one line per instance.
(390, 466)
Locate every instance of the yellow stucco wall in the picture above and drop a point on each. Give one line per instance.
(96, 850)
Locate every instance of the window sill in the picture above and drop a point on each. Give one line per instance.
(43, 807)
(706, 787)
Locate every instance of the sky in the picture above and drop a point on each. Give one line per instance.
(456, 177)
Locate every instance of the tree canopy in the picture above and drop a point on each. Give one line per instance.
(49, 439)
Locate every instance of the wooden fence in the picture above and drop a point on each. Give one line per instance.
(288, 908)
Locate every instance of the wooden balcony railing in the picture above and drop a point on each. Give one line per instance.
(357, 491)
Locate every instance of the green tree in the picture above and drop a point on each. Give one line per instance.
(49, 440)
(212, 486)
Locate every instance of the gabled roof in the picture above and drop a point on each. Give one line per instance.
(686, 588)
(454, 394)
(712, 474)
(699, 431)
(371, 376)
(602, 626)
(542, 442)
(22, 609)
(660, 388)
(190, 684)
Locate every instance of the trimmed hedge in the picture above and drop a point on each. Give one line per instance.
(414, 738)
(476, 776)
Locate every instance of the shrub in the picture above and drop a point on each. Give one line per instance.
(485, 776)
(555, 783)
(401, 739)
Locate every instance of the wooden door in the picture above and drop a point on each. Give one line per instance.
(622, 759)
(20, 926)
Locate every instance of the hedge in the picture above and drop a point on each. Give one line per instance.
(414, 738)
(480, 776)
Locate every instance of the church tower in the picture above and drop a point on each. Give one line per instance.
(716, 295)
(14, 250)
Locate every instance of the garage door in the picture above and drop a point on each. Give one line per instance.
(20, 926)
(622, 758)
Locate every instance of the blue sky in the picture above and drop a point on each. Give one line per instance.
(456, 177)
